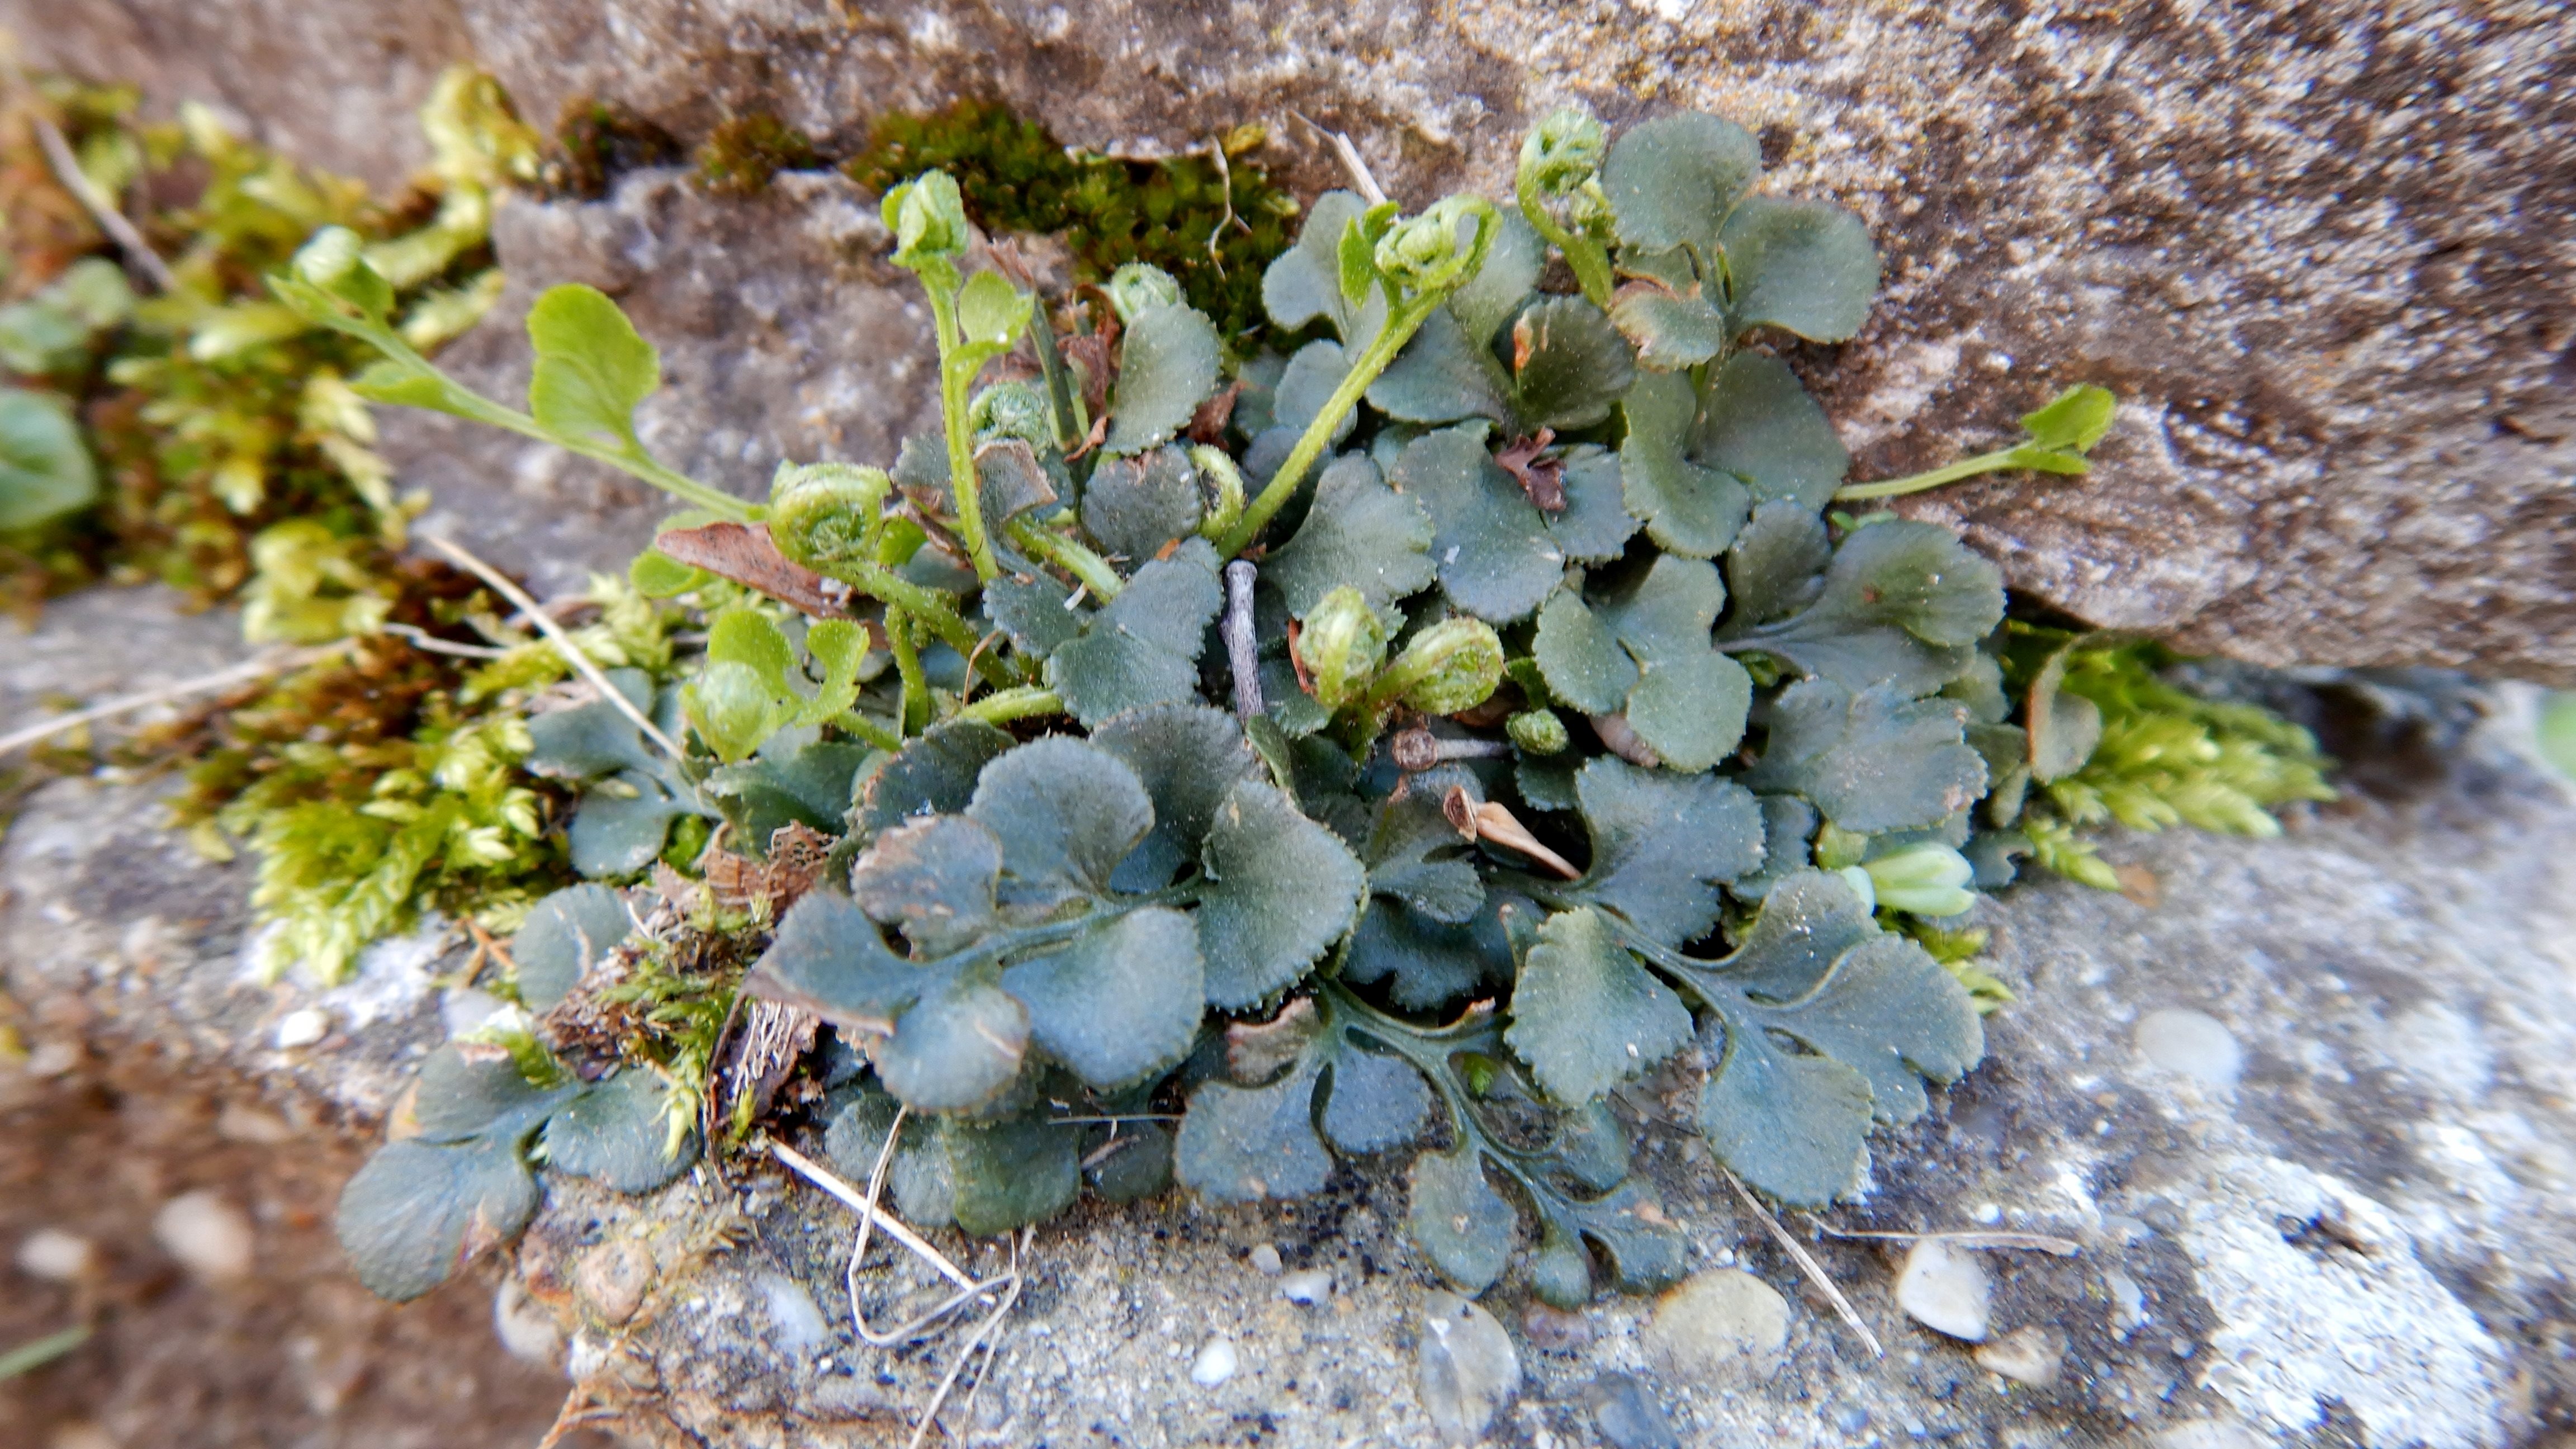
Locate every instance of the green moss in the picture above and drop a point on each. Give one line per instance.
(597, 141)
(2166, 757)
(744, 154)
(375, 784)
(215, 414)
(2170, 757)
(1214, 228)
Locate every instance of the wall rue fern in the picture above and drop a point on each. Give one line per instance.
(1485, 707)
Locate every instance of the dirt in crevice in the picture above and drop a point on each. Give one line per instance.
(296, 1353)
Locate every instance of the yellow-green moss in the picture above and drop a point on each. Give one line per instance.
(1213, 227)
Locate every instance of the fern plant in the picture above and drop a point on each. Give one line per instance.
(1395, 745)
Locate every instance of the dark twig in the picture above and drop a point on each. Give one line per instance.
(1239, 647)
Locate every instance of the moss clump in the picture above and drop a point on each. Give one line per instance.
(2166, 756)
(383, 780)
(213, 412)
(1213, 227)
(598, 141)
(746, 153)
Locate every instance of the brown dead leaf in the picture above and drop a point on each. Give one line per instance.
(2140, 885)
(1542, 478)
(744, 554)
(1089, 353)
(1256, 1049)
(796, 855)
(1207, 425)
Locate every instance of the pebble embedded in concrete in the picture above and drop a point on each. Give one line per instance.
(1215, 1364)
(2128, 1301)
(1265, 1260)
(1553, 1330)
(1627, 1415)
(524, 1326)
(1720, 1323)
(2192, 1044)
(2029, 1355)
(1306, 1285)
(1944, 1288)
(611, 1279)
(1468, 1368)
(798, 1326)
(209, 1236)
(302, 1028)
(57, 1256)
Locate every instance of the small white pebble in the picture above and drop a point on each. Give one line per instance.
(53, 1059)
(1265, 1260)
(302, 1028)
(585, 1358)
(238, 1123)
(2192, 1044)
(524, 1326)
(796, 1324)
(1215, 1363)
(209, 1236)
(57, 1256)
(1944, 1288)
(1307, 1285)
(1988, 1213)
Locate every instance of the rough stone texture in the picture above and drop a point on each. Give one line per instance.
(2322, 251)
(784, 334)
(2359, 1240)
(138, 1067)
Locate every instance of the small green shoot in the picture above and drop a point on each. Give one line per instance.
(2056, 439)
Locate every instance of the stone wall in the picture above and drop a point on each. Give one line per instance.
(2323, 251)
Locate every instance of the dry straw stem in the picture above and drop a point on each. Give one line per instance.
(1807, 1264)
(102, 209)
(831, 1182)
(273, 663)
(1352, 161)
(1964, 1238)
(562, 641)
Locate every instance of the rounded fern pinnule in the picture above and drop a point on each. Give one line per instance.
(1342, 644)
(822, 513)
(730, 706)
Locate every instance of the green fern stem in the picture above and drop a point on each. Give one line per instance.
(928, 606)
(1053, 547)
(1027, 701)
(1999, 461)
(907, 662)
(1589, 259)
(850, 721)
(1401, 323)
(465, 402)
(956, 378)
